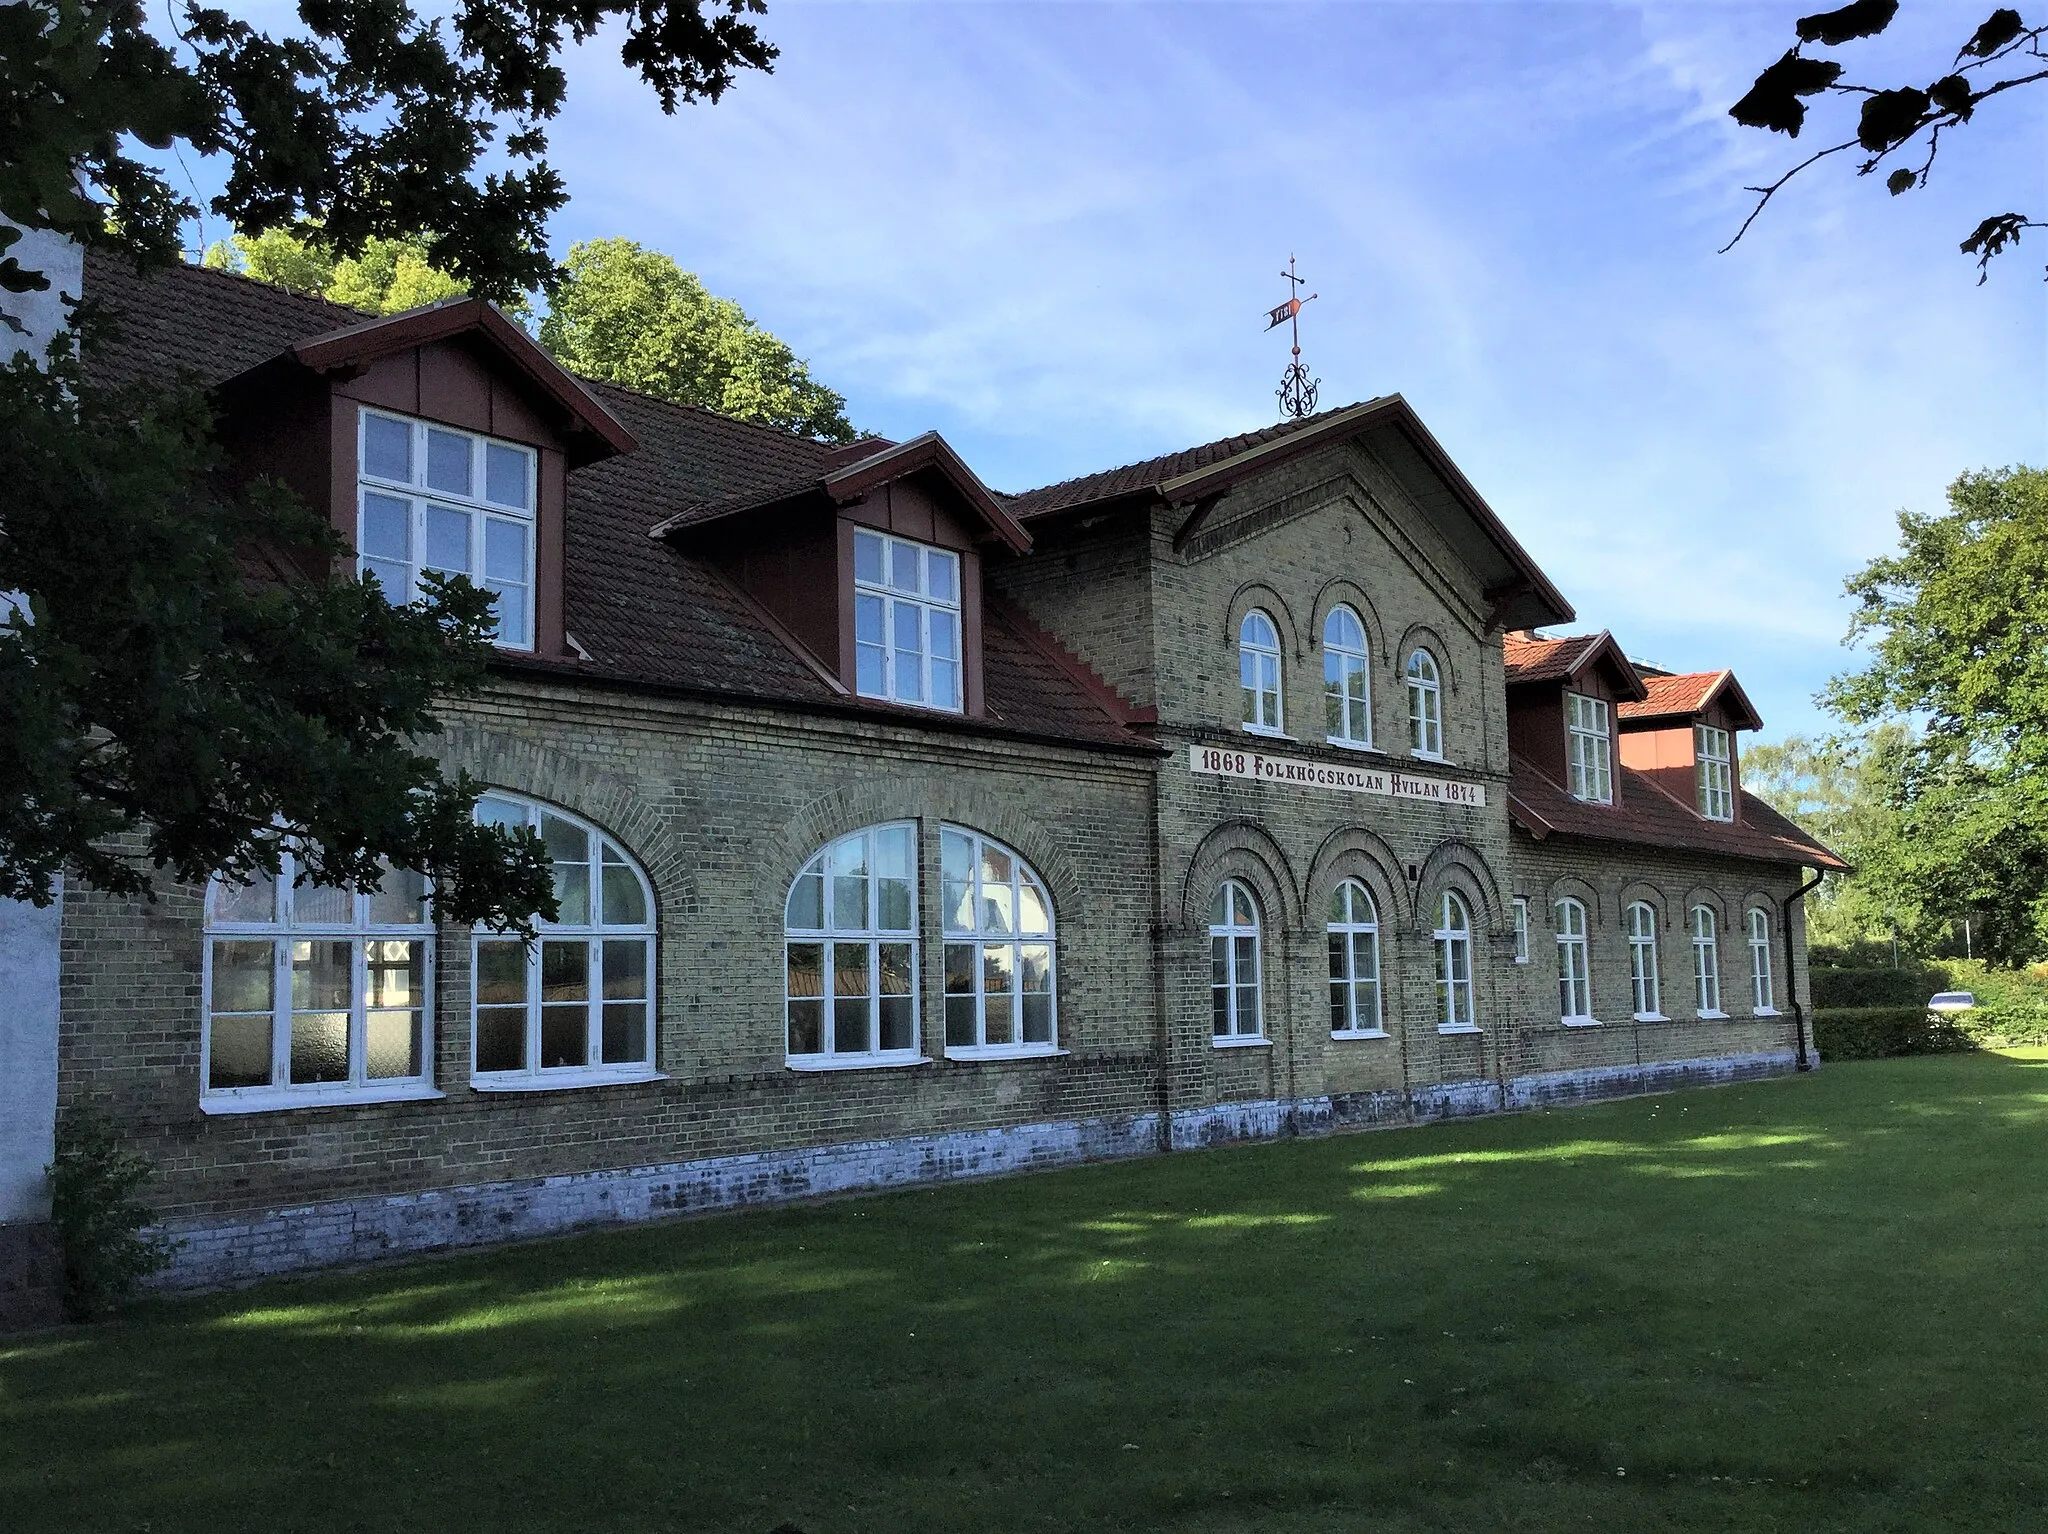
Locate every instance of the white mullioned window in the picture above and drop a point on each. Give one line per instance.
(1714, 772)
(906, 622)
(1425, 706)
(1354, 934)
(1591, 769)
(999, 948)
(1234, 964)
(1258, 673)
(431, 498)
(1521, 930)
(1347, 679)
(1642, 960)
(850, 952)
(576, 1006)
(1761, 997)
(315, 994)
(1454, 967)
(1706, 962)
(1574, 973)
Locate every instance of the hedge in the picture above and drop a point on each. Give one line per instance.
(1861, 988)
(1878, 1033)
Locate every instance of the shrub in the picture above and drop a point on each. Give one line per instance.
(92, 1195)
(1879, 1033)
(2012, 1004)
(1887, 987)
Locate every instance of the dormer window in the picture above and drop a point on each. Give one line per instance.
(1591, 773)
(906, 622)
(1714, 772)
(429, 498)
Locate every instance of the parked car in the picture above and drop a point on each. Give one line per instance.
(1952, 1001)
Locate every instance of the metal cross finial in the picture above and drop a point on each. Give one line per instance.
(1297, 391)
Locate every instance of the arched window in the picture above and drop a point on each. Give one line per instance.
(1347, 679)
(1354, 932)
(1454, 966)
(1234, 963)
(1258, 672)
(315, 994)
(851, 951)
(578, 1004)
(1574, 975)
(1706, 962)
(1760, 960)
(999, 948)
(1425, 706)
(1642, 960)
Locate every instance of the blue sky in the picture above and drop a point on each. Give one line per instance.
(1050, 232)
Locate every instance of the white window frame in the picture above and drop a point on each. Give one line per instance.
(1644, 983)
(1706, 961)
(1714, 771)
(604, 853)
(873, 936)
(999, 917)
(1347, 679)
(933, 616)
(515, 598)
(1234, 920)
(1591, 767)
(1259, 680)
(1763, 996)
(1353, 932)
(1425, 706)
(1521, 930)
(282, 932)
(1453, 937)
(1574, 963)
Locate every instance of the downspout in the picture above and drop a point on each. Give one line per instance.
(1791, 973)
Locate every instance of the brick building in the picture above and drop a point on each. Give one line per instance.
(908, 830)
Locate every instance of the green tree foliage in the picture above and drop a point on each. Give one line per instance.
(1899, 123)
(93, 1186)
(632, 316)
(367, 120)
(1843, 790)
(389, 277)
(188, 685)
(1957, 625)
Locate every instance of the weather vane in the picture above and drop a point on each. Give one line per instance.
(1297, 390)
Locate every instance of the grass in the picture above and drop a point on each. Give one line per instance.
(1807, 1304)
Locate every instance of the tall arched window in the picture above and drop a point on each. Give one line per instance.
(1347, 679)
(1258, 672)
(1642, 960)
(999, 948)
(1760, 961)
(1354, 933)
(1574, 974)
(1425, 706)
(315, 994)
(576, 1006)
(1706, 962)
(1454, 966)
(851, 952)
(1234, 963)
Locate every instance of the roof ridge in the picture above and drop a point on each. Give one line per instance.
(781, 433)
(222, 273)
(1265, 433)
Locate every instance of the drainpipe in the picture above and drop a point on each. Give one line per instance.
(1791, 973)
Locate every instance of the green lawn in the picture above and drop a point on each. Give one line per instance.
(1814, 1303)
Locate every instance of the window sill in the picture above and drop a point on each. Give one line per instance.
(1004, 1051)
(1651, 1017)
(1352, 745)
(1522, 959)
(1579, 1022)
(279, 1099)
(854, 1062)
(1434, 761)
(1240, 1041)
(566, 1081)
(1767, 1012)
(1606, 803)
(1713, 1017)
(1265, 734)
(915, 708)
(1360, 1033)
(1459, 1028)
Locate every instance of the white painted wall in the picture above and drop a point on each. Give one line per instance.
(28, 1056)
(63, 262)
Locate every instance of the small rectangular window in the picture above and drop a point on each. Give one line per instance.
(1521, 931)
(1714, 772)
(906, 622)
(1591, 769)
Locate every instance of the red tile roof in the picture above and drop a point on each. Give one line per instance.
(643, 611)
(1692, 692)
(1547, 660)
(1644, 814)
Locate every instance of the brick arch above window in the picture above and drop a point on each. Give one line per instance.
(1353, 852)
(1420, 636)
(1572, 887)
(1458, 865)
(1343, 591)
(1645, 892)
(1713, 900)
(1261, 595)
(1239, 849)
